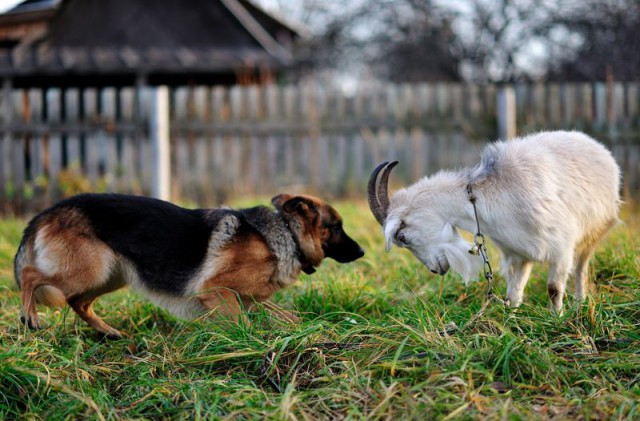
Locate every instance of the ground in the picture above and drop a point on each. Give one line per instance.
(380, 338)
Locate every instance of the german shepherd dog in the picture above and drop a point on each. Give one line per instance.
(189, 262)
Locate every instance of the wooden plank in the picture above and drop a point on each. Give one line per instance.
(417, 164)
(391, 92)
(341, 162)
(6, 115)
(405, 102)
(616, 115)
(74, 159)
(552, 105)
(18, 172)
(54, 147)
(36, 150)
(289, 157)
(568, 104)
(201, 104)
(181, 186)
(358, 170)
(220, 106)
(129, 171)
(273, 102)
(236, 94)
(271, 178)
(179, 110)
(5, 170)
(217, 175)
(443, 105)
(290, 102)
(159, 130)
(202, 174)
(506, 112)
(538, 103)
(474, 107)
(600, 106)
(93, 138)
(457, 101)
(633, 103)
(108, 139)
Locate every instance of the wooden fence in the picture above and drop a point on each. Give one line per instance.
(229, 142)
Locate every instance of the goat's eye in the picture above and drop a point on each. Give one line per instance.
(401, 238)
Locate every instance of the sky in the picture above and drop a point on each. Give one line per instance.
(7, 4)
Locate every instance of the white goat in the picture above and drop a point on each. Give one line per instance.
(548, 197)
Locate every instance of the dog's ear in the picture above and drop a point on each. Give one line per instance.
(290, 204)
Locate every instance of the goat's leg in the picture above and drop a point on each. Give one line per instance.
(558, 274)
(582, 273)
(584, 252)
(517, 272)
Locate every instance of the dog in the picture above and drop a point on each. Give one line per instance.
(189, 262)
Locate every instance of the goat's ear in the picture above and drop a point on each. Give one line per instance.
(390, 229)
(448, 231)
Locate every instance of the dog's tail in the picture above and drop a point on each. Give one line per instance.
(47, 295)
(20, 260)
(50, 296)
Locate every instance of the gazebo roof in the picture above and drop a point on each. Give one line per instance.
(80, 37)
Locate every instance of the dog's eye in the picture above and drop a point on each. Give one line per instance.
(336, 228)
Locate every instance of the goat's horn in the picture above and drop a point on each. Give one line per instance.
(379, 197)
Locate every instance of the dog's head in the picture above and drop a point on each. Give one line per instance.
(318, 230)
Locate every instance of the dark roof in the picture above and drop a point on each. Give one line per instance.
(115, 36)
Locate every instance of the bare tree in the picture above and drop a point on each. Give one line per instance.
(416, 43)
(606, 34)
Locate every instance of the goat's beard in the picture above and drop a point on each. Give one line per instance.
(461, 261)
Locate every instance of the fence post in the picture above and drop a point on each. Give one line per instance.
(159, 132)
(506, 112)
(5, 138)
(600, 96)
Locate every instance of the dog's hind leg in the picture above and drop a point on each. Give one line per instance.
(517, 273)
(31, 279)
(83, 306)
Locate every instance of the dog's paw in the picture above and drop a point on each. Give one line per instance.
(30, 323)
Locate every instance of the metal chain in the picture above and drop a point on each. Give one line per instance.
(479, 247)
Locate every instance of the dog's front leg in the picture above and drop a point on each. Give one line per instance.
(224, 302)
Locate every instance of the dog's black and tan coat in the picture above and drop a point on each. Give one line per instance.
(187, 261)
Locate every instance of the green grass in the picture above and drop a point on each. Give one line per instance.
(381, 338)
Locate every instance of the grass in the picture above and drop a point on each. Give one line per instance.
(381, 338)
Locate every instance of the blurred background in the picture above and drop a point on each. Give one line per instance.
(206, 101)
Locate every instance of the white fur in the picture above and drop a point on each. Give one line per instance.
(547, 197)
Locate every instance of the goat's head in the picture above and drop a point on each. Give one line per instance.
(415, 220)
